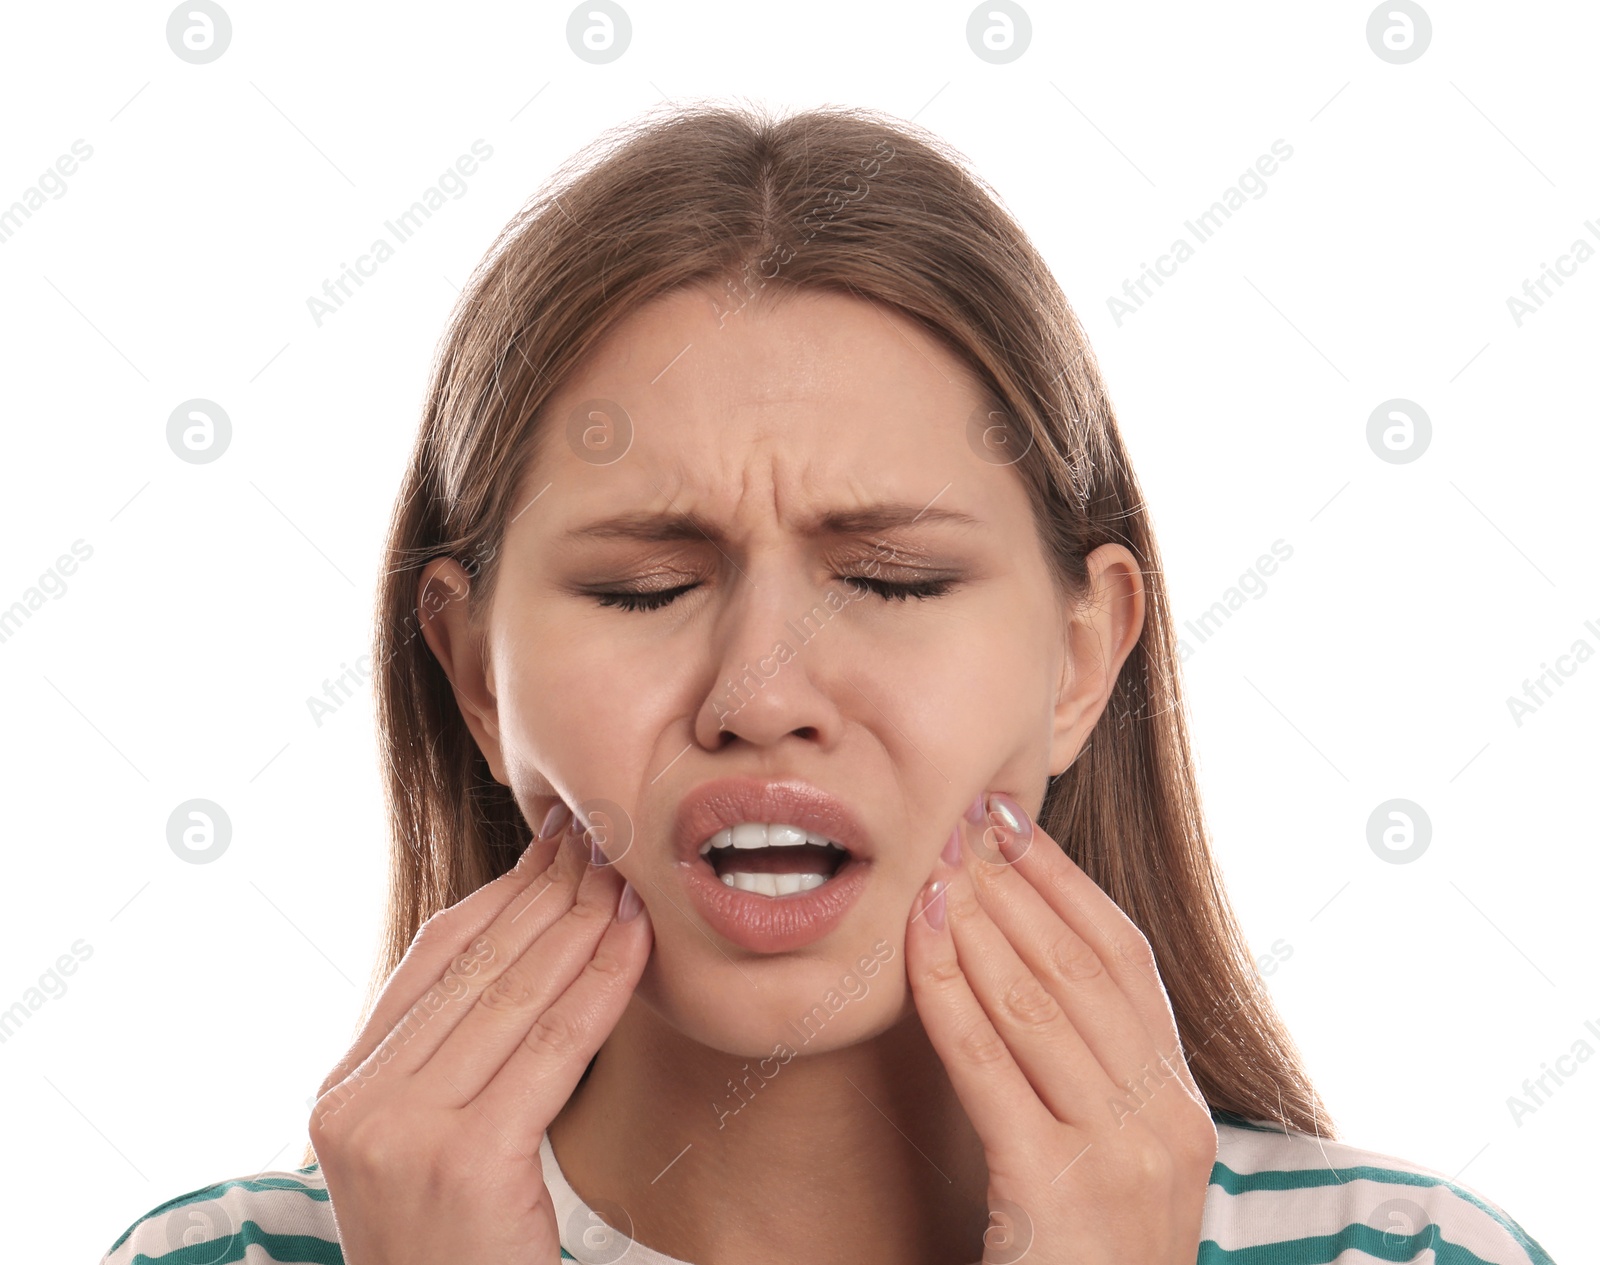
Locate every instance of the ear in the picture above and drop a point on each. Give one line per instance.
(458, 646)
(1100, 632)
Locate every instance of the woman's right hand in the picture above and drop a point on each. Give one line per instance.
(428, 1129)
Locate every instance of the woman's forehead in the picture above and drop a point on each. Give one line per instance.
(813, 347)
(825, 393)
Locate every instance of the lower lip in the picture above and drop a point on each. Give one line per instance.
(773, 924)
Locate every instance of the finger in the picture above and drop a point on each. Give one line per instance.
(1053, 1050)
(446, 935)
(510, 1005)
(1068, 1022)
(424, 1028)
(1011, 835)
(532, 1086)
(997, 1097)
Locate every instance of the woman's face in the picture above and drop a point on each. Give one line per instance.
(724, 438)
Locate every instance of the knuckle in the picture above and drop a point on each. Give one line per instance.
(472, 960)
(980, 1045)
(547, 897)
(333, 1119)
(987, 874)
(556, 1034)
(321, 1126)
(566, 875)
(340, 1071)
(442, 992)
(1135, 950)
(1072, 960)
(609, 964)
(356, 1141)
(508, 992)
(592, 907)
(435, 927)
(1145, 1165)
(380, 1142)
(1027, 1002)
(960, 902)
(942, 972)
(525, 867)
(537, 892)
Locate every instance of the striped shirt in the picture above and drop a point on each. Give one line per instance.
(1275, 1198)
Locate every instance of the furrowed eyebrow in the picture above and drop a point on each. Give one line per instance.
(655, 526)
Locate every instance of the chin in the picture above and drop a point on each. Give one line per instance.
(812, 1004)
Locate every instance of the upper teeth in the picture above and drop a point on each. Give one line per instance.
(760, 834)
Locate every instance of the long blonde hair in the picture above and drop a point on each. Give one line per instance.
(857, 202)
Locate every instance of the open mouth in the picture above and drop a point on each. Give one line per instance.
(773, 859)
(770, 864)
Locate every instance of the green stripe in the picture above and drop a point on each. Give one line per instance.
(1307, 1178)
(309, 1248)
(567, 1256)
(1380, 1245)
(206, 1193)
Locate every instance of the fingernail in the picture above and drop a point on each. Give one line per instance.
(952, 847)
(1011, 816)
(975, 809)
(933, 907)
(628, 904)
(597, 854)
(554, 819)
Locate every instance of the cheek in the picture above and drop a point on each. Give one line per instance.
(963, 709)
(983, 678)
(584, 734)
(1013, 689)
(976, 719)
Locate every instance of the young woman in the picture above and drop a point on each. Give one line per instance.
(796, 852)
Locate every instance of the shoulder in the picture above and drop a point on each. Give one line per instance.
(1313, 1199)
(285, 1213)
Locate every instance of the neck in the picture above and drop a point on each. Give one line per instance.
(862, 1153)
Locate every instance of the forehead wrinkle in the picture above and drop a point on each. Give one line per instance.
(744, 493)
(866, 519)
(689, 505)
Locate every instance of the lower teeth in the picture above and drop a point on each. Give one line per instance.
(774, 884)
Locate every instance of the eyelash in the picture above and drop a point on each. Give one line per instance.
(921, 589)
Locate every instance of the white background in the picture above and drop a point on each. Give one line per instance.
(1377, 664)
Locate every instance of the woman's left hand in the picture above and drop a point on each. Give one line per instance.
(1043, 1001)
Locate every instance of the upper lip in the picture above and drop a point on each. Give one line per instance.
(727, 801)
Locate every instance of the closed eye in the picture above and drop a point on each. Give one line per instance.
(899, 592)
(890, 592)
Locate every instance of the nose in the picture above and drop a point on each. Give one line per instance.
(774, 667)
